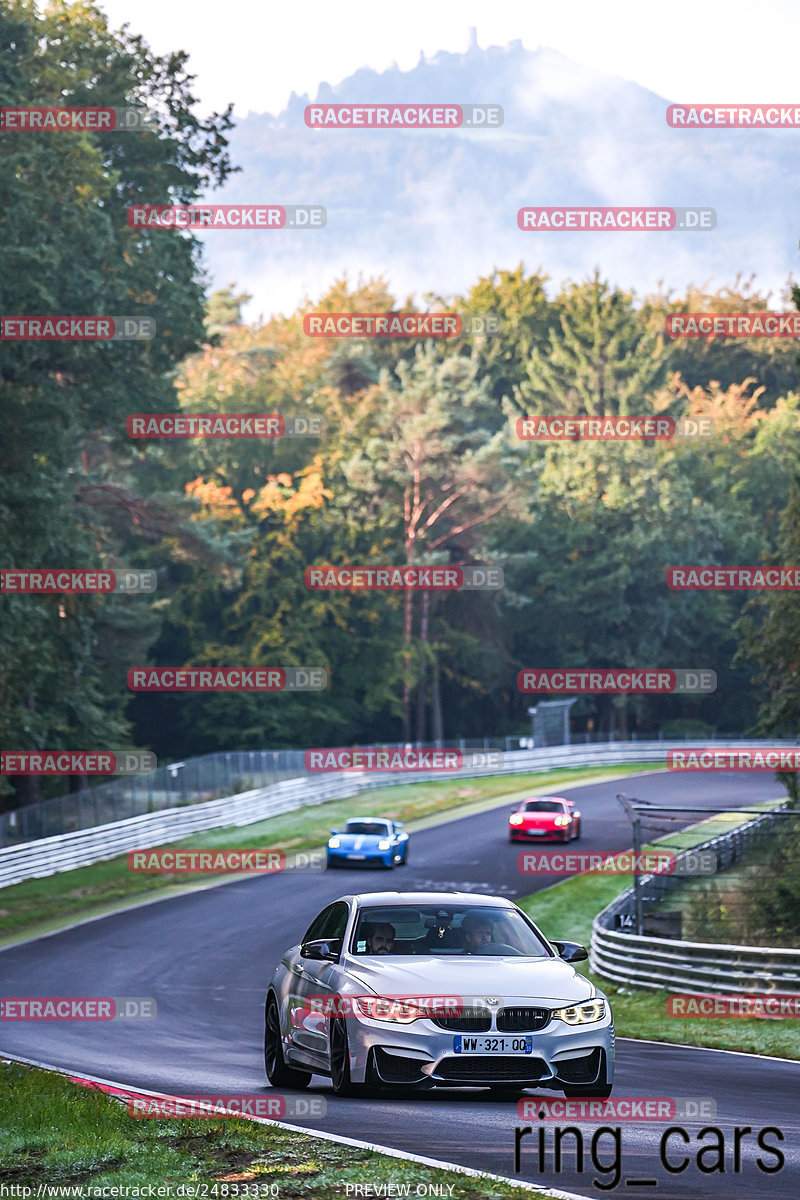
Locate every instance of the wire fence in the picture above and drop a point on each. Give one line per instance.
(629, 959)
(211, 777)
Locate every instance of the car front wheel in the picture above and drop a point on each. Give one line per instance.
(278, 1073)
(340, 1059)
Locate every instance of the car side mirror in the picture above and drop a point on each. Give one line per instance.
(571, 951)
(398, 824)
(334, 831)
(322, 950)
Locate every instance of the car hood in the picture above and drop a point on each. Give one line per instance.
(509, 979)
(359, 841)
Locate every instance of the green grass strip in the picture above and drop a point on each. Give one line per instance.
(58, 1133)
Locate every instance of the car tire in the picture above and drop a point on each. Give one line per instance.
(577, 832)
(404, 859)
(340, 1059)
(278, 1073)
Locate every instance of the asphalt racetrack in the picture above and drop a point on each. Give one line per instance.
(206, 958)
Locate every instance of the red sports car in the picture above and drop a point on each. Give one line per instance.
(549, 817)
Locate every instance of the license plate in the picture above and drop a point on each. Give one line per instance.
(492, 1045)
(356, 856)
(537, 832)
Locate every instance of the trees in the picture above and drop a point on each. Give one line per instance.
(444, 476)
(602, 356)
(770, 641)
(67, 249)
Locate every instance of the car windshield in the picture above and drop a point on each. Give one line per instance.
(455, 930)
(376, 828)
(555, 806)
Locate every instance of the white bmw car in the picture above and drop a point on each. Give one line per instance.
(415, 990)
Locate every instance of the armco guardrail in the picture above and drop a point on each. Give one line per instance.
(694, 967)
(48, 856)
(214, 776)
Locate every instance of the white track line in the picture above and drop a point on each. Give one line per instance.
(708, 1049)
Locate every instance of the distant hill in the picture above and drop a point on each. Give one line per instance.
(431, 210)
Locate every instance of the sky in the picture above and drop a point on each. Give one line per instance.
(257, 55)
(705, 52)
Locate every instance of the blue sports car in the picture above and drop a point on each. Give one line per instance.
(368, 840)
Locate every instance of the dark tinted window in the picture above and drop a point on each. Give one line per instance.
(375, 828)
(429, 929)
(330, 923)
(544, 806)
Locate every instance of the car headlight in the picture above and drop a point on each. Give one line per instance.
(516, 819)
(385, 844)
(561, 820)
(334, 843)
(380, 1009)
(582, 1014)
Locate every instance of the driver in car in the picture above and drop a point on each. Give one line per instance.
(380, 939)
(476, 931)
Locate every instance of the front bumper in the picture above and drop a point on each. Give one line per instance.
(422, 1055)
(341, 858)
(519, 834)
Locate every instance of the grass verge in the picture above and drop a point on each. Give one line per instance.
(40, 906)
(61, 1134)
(567, 910)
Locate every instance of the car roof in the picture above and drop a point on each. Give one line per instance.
(411, 898)
(386, 820)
